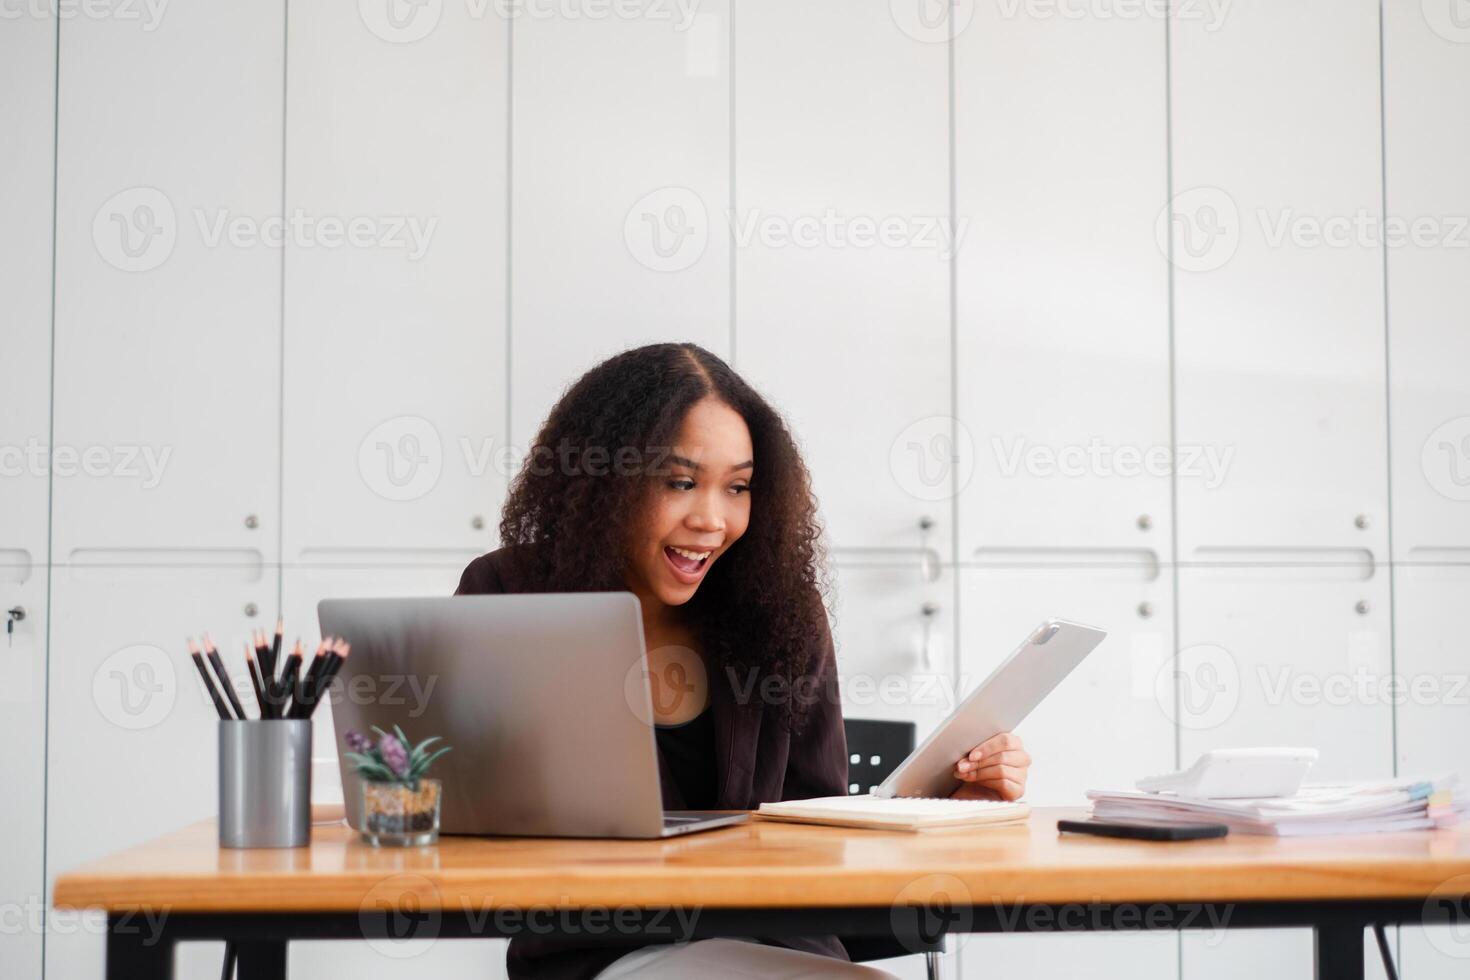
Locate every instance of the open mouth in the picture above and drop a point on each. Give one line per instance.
(688, 564)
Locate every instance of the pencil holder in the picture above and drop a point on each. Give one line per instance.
(265, 783)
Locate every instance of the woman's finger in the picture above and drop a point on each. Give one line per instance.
(1011, 757)
(996, 743)
(990, 774)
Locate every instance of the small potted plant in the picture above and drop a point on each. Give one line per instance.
(399, 806)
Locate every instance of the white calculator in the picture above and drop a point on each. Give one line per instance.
(1232, 774)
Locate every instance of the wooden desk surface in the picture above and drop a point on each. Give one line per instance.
(766, 864)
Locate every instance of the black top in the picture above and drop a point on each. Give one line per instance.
(689, 750)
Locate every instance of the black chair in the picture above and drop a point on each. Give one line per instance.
(874, 750)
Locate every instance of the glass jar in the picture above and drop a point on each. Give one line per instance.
(395, 815)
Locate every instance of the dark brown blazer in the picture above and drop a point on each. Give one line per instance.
(757, 761)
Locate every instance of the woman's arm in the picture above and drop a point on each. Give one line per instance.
(816, 763)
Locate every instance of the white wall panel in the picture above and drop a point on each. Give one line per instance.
(1426, 68)
(1278, 285)
(168, 300)
(395, 372)
(620, 174)
(27, 117)
(842, 257)
(1062, 335)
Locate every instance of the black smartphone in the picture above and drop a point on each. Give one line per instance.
(1143, 831)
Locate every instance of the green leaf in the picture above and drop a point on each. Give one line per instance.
(375, 773)
(402, 738)
(365, 763)
(416, 753)
(430, 760)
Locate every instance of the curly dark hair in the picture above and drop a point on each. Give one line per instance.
(581, 491)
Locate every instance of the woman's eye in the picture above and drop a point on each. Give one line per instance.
(740, 488)
(681, 484)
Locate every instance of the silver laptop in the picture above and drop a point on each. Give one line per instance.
(544, 699)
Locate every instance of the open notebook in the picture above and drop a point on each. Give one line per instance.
(900, 813)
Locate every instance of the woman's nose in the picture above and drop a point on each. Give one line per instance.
(705, 519)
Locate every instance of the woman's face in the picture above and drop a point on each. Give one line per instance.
(698, 508)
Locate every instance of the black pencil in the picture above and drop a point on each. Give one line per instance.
(198, 658)
(339, 654)
(263, 663)
(306, 690)
(223, 675)
(286, 690)
(330, 659)
(262, 656)
(275, 653)
(253, 666)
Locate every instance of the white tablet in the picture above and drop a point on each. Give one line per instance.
(998, 705)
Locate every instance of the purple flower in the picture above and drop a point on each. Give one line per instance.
(357, 741)
(394, 754)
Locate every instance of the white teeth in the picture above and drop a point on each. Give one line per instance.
(691, 555)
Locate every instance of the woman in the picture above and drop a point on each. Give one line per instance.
(661, 472)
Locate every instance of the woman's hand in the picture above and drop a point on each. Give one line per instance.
(994, 770)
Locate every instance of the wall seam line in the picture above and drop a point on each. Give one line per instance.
(1172, 365)
(281, 331)
(50, 496)
(1387, 392)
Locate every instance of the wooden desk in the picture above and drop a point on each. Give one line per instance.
(764, 879)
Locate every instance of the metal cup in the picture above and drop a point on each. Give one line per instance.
(265, 783)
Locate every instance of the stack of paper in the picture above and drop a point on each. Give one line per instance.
(1318, 808)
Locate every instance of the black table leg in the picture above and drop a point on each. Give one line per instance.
(135, 952)
(1338, 952)
(261, 959)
